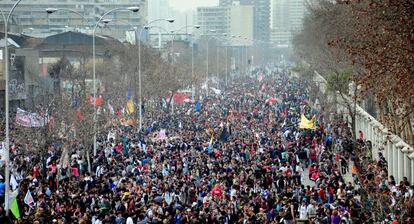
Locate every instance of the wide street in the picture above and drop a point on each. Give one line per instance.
(207, 111)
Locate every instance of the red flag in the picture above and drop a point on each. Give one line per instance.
(98, 101)
(179, 98)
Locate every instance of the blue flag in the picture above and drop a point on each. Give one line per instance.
(210, 146)
(198, 106)
(74, 103)
(130, 93)
(210, 149)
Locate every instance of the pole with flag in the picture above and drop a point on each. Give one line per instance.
(198, 106)
(130, 107)
(14, 207)
(210, 145)
(28, 199)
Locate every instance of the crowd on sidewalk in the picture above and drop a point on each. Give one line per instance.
(239, 158)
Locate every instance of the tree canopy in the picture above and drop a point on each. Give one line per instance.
(374, 40)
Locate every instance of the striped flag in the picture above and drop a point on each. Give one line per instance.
(28, 199)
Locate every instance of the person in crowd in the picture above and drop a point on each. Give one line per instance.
(239, 158)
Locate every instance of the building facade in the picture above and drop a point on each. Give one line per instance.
(242, 23)
(225, 3)
(234, 20)
(159, 9)
(33, 19)
(287, 18)
(31, 58)
(261, 18)
(215, 19)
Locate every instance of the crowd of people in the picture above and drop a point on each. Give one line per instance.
(239, 158)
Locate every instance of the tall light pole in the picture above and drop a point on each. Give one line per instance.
(174, 32)
(139, 67)
(240, 53)
(192, 63)
(226, 48)
(218, 62)
(218, 57)
(132, 9)
(53, 10)
(6, 74)
(172, 48)
(159, 34)
(245, 55)
(192, 53)
(208, 39)
(133, 28)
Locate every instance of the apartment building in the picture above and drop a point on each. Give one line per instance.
(33, 19)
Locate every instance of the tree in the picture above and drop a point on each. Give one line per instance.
(382, 44)
(369, 44)
(326, 23)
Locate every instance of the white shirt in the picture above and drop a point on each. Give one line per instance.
(311, 210)
(299, 170)
(233, 192)
(303, 212)
(168, 197)
(129, 221)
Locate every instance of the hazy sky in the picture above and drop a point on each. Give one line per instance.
(184, 5)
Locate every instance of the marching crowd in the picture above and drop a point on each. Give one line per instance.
(239, 158)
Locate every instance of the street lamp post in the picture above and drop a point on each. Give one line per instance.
(53, 10)
(218, 63)
(174, 32)
(139, 67)
(192, 69)
(218, 58)
(207, 67)
(133, 9)
(226, 66)
(159, 34)
(133, 28)
(208, 39)
(240, 52)
(244, 59)
(192, 54)
(6, 74)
